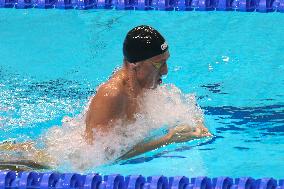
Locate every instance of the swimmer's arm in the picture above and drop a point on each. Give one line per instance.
(182, 133)
(145, 147)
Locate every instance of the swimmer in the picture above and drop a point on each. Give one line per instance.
(145, 62)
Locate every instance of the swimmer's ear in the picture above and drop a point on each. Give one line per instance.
(136, 66)
(130, 65)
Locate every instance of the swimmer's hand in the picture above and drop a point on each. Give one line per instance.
(184, 133)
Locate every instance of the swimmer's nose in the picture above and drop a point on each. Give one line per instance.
(164, 69)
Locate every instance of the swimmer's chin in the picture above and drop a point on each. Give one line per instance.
(154, 87)
(156, 84)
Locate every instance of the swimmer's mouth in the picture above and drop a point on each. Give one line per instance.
(160, 81)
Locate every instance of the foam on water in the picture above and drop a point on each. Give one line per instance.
(166, 107)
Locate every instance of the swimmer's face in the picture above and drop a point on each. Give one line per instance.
(150, 71)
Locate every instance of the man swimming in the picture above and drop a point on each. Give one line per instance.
(145, 62)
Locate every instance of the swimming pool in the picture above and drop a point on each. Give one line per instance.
(53, 60)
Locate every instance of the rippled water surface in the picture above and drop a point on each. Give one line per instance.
(51, 62)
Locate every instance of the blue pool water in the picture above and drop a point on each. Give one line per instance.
(53, 60)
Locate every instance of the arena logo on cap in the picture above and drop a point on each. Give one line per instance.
(164, 46)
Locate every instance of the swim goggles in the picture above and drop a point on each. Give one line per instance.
(158, 65)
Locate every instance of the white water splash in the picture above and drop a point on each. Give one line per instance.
(166, 106)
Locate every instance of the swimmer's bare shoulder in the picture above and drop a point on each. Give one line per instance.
(106, 106)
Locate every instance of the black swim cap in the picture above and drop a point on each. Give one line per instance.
(143, 42)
